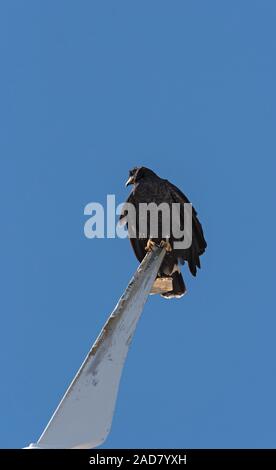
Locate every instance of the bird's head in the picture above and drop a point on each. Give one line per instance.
(137, 173)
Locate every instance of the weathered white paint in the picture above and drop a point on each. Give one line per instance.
(83, 418)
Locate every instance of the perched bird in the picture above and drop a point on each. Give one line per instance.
(150, 188)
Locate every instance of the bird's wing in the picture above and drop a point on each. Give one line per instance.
(198, 243)
(175, 191)
(179, 197)
(124, 212)
(137, 244)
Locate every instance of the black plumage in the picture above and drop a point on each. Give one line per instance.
(148, 188)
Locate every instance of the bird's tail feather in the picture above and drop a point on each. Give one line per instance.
(178, 286)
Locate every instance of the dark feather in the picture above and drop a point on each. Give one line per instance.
(148, 187)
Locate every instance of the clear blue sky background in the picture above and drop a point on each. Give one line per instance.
(88, 90)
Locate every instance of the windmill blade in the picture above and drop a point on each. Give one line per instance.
(83, 418)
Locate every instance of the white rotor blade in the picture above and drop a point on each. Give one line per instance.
(83, 418)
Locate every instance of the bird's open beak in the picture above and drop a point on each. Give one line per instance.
(130, 181)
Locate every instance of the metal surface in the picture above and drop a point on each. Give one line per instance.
(83, 418)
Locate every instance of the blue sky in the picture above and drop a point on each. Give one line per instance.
(88, 90)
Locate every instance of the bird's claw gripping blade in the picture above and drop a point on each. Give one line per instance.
(166, 244)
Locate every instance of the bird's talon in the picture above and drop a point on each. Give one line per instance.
(166, 244)
(150, 245)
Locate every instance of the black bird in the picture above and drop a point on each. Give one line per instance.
(148, 188)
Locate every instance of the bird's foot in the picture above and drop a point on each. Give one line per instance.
(166, 244)
(150, 245)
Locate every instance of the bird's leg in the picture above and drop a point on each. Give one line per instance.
(150, 245)
(166, 244)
